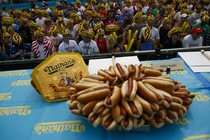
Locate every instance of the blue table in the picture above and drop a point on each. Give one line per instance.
(24, 115)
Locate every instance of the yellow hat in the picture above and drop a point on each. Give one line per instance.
(86, 33)
(4, 29)
(70, 21)
(173, 31)
(147, 33)
(144, 17)
(7, 20)
(22, 19)
(184, 5)
(78, 19)
(96, 15)
(45, 13)
(93, 1)
(38, 33)
(89, 7)
(73, 15)
(38, 11)
(17, 11)
(86, 4)
(100, 5)
(26, 15)
(100, 31)
(66, 32)
(36, 7)
(151, 17)
(60, 19)
(169, 6)
(111, 28)
(85, 23)
(6, 34)
(205, 18)
(58, 3)
(78, 1)
(166, 20)
(16, 38)
(10, 28)
(54, 30)
(97, 26)
(137, 15)
(60, 13)
(88, 12)
(33, 24)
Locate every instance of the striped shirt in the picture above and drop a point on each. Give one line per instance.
(48, 49)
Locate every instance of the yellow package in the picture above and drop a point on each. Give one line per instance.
(53, 77)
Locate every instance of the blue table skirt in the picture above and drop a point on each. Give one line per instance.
(24, 115)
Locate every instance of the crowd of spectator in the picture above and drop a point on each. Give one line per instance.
(103, 27)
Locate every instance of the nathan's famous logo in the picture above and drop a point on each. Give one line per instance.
(182, 120)
(15, 110)
(58, 127)
(14, 73)
(21, 83)
(52, 69)
(200, 97)
(199, 137)
(5, 96)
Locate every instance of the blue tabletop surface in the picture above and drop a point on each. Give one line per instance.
(24, 115)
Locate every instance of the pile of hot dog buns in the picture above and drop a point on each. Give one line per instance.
(129, 96)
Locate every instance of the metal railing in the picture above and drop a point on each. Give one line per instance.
(158, 54)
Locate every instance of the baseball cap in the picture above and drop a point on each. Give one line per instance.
(197, 30)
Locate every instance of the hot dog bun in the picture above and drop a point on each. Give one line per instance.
(129, 89)
(94, 119)
(127, 124)
(100, 109)
(98, 92)
(108, 122)
(146, 93)
(113, 98)
(133, 108)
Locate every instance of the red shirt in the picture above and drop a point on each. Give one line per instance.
(102, 46)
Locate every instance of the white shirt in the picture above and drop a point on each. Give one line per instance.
(154, 36)
(41, 50)
(75, 29)
(70, 47)
(88, 48)
(207, 7)
(190, 7)
(144, 9)
(178, 15)
(48, 10)
(40, 21)
(5, 14)
(189, 42)
(56, 39)
(81, 9)
(129, 10)
(65, 20)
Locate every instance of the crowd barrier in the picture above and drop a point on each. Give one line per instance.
(142, 55)
(27, 5)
